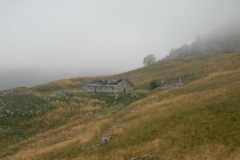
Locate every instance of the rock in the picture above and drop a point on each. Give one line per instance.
(104, 140)
(95, 146)
(116, 97)
(135, 95)
(5, 130)
(113, 128)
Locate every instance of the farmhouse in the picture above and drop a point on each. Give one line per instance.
(104, 86)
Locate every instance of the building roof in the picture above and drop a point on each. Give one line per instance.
(105, 82)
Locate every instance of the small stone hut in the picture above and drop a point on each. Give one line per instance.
(104, 86)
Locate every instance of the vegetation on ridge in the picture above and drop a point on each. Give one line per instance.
(224, 40)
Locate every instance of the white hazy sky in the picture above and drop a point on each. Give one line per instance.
(106, 36)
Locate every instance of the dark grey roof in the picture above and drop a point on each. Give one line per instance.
(99, 81)
(105, 82)
(114, 82)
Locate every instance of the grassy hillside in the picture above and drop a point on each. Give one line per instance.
(200, 120)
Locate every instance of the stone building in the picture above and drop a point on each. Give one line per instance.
(104, 86)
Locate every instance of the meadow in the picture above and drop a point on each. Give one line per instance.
(200, 120)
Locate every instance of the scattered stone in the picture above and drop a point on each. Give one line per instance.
(113, 128)
(46, 98)
(164, 85)
(104, 140)
(5, 130)
(116, 96)
(134, 95)
(95, 146)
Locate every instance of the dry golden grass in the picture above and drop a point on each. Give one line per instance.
(55, 141)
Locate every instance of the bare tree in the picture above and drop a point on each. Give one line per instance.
(149, 59)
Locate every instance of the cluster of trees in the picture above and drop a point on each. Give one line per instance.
(219, 42)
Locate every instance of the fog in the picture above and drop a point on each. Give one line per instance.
(45, 40)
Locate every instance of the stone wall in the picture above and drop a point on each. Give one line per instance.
(169, 86)
(123, 86)
(100, 88)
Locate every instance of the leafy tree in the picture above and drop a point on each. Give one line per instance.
(149, 59)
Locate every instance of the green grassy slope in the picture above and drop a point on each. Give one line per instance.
(200, 120)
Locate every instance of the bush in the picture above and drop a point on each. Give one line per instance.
(153, 84)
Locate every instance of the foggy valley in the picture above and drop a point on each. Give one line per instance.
(30, 77)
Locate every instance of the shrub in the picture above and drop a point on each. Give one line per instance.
(153, 84)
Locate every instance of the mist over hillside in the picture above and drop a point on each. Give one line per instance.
(11, 78)
(14, 79)
(223, 40)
